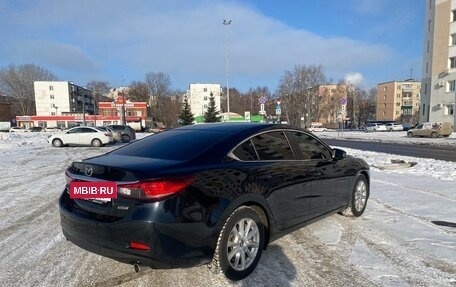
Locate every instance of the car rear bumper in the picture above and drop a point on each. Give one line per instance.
(171, 244)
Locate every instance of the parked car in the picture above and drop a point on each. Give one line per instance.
(431, 129)
(156, 127)
(17, 130)
(35, 129)
(81, 136)
(211, 193)
(116, 135)
(394, 127)
(317, 129)
(127, 133)
(375, 127)
(52, 129)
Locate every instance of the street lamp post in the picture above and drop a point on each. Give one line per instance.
(226, 23)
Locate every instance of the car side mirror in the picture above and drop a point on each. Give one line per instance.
(338, 154)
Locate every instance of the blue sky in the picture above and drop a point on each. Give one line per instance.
(365, 41)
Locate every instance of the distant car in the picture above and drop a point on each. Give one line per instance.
(127, 133)
(213, 193)
(18, 130)
(317, 129)
(116, 135)
(431, 129)
(35, 129)
(394, 127)
(52, 129)
(81, 136)
(375, 127)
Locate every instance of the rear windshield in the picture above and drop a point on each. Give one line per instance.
(173, 144)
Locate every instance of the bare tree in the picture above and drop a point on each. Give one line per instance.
(139, 92)
(298, 94)
(99, 89)
(159, 87)
(17, 82)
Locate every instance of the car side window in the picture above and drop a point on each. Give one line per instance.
(310, 147)
(272, 146)
(74, 131)
(87, 130)
(245, 151)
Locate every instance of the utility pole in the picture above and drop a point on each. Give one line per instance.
(226, 23)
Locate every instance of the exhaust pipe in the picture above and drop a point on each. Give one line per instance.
(137, 267)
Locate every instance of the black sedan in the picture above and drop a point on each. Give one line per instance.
(212, 194)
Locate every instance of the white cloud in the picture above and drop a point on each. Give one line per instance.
(354, 78)
(186, 41)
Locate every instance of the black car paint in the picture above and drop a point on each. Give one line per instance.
(182, 230)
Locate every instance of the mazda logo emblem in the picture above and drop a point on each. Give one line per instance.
(88, 170)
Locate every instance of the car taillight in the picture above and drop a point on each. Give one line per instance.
(155, 189)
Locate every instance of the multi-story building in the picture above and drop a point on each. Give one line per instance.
(198, 97)
(61, 104)
(328, 108)
(62, 97)
(399, 101)
(438, 94)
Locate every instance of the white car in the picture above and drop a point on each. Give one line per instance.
(394, 127)
(317, 129)
(375, 127)
(18, 130)
(81, 136)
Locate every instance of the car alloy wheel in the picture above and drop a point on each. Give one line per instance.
(57, 143)
(358, 200)
(96, 143)
(240, 244)
(125, 138)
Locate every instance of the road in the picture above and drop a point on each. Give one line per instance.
(447, 153)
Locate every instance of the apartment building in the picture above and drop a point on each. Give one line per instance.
(438, 95)
(62, 97)
(399, 101)
(198, 97)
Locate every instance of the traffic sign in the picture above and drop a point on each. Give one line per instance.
(262, 100)
(278, 111)
(343, 101)
(262, 107)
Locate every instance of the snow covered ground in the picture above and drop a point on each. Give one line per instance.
(394, 243)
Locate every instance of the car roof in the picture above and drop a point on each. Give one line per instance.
(234, 127)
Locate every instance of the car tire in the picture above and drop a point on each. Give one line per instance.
(433, 134)
(125, 138)
(358, 199)
(410, 134)
(57, 142)
(96, 143)
(240, 244)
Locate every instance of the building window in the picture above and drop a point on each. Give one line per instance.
(430, 4)
(398, 87)
(52, 113)
(452, 62)
(205, 106)
(453, 39)
(398, 96)
(451, 86)
(384, 105)
(424, 106)
(384, 97)
(51, 96)
(429, 25)
(425, 88)
(428, 44)
(205, 98)
(51, 88)
(205, 90)
(384, 89)
(427, 67)
(397, 113)
(398, 104)
(453, 15)
(448, 110)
